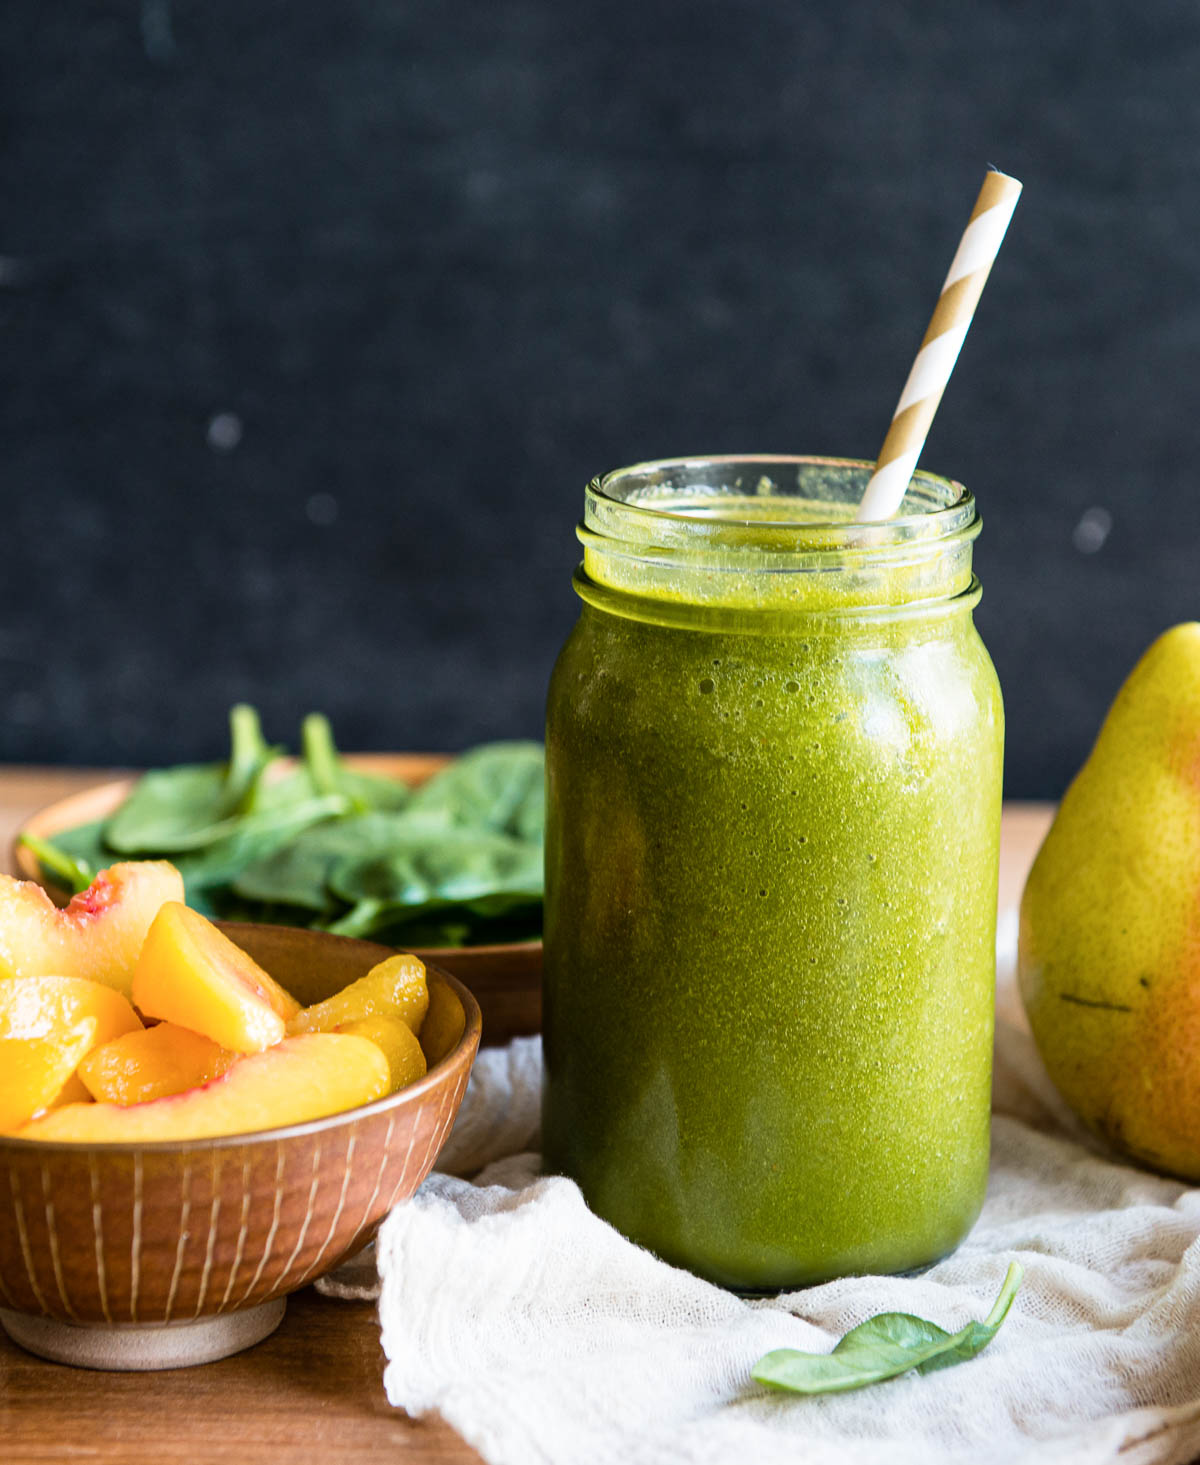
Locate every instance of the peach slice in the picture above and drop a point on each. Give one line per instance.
(299, 1079)
(444, 1024)
(34, 1070)
(191, 974)
(398, 1043)
(74, 1091)
(97, 936)
(37, 1007)
(396, 986)
(151, 1063)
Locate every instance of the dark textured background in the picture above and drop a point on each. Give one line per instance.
(316, 318)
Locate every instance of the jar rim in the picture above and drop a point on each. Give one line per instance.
(715, 530)
(937, 507)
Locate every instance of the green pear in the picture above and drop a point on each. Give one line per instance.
(1109, 956)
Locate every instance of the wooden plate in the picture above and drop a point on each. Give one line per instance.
(506, 979)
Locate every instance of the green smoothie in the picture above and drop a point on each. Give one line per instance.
(774, 764)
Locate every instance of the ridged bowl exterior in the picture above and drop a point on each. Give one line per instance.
(156, 1233)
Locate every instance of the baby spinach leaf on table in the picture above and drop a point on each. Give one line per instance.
(498, 787)
(171, 810)
(329, 774)
(882, 1348)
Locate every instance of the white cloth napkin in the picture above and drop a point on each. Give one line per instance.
(542, 1335)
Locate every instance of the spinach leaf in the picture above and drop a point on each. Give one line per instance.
(297, 873)
(883, 1347)
(434, 933)
(367, 917)
(437, 925)
(451, 865)
(221, 903)
(249, 755)
(325, 845)
(169, 809)
(439, 885)
(330, 775)
(72, 860)
(399, 925)
(498, 787)
(172, 810)
(253, 837)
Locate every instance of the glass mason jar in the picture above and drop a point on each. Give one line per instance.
(773, 747)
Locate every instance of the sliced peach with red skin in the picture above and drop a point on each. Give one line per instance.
(153, 1062)
(192, 974)
(297, 1080)
(398, 1043)
(34, 1070)
(396, 986)
(36, 1007)
(97, 936)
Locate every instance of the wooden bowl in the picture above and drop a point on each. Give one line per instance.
(506, 980)
(146, 1256)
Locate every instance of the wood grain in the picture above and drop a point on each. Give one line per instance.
(311, 1392)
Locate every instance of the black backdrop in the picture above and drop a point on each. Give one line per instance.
(316, 318)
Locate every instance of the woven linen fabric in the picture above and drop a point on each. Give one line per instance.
(542, 1335)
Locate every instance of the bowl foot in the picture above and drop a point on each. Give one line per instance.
(137, 1347)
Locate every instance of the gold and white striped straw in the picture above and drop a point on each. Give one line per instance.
(931, 370)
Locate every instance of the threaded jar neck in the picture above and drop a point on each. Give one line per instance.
(774, 534)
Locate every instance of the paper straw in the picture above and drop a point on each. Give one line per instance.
(931, 370)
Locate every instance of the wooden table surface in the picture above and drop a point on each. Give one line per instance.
(314, 1390)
